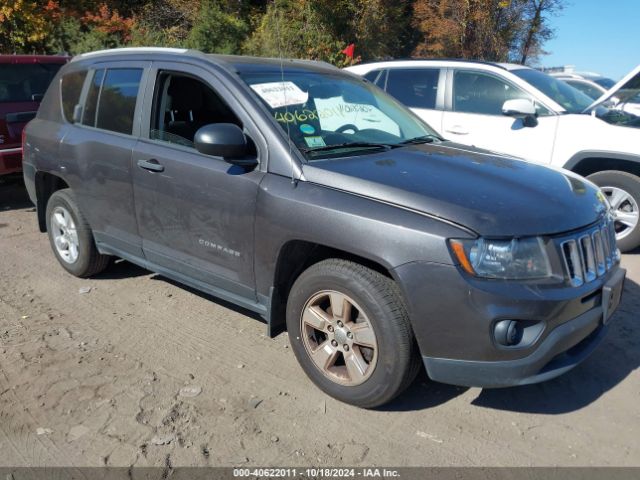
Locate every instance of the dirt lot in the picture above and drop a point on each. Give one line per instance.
(141, 371)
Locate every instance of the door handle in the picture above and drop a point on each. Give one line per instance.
(457, 130)
(152, 165)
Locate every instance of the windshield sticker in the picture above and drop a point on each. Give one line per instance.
(313, 142)
(307, 129)
(280, 94)
(338, 111)
(295, 116)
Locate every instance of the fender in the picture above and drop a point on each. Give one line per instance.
(602, 155)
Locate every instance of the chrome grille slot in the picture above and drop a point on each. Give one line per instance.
(590, 253)
(588, 258)
(572, 262)
(606, 242)
(599, 242)
(614, 253)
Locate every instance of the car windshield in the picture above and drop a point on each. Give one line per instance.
(568, 97)
(331, 114)
(25, 82)
(604, 82)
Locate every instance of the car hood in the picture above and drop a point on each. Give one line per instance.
(491, 194)
(624, 90)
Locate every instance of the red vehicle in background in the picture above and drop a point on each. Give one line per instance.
(23, 81)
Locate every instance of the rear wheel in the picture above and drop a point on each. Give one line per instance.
(622, 189)
(71, 238)
(350, 332)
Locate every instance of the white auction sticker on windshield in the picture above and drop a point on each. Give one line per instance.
(280, 94)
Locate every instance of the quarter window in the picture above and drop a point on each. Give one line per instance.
(70, 88)
(475, 92)
(417, 88)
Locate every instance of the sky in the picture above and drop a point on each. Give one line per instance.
(596, 36)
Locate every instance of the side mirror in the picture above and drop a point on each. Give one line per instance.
(523, 109)
(519, 108)
(224, 140)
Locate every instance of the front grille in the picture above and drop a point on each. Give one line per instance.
(591, 253)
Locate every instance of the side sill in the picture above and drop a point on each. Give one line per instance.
(241, 301)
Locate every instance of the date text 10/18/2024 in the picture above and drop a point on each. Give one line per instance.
(315, 472)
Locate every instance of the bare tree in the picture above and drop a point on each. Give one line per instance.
(536, 29)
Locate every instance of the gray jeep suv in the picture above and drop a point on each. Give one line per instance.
(311, 197)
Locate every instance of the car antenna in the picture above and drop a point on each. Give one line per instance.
(294, 181)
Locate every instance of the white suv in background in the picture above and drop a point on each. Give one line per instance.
(592, 85)
(526, 113)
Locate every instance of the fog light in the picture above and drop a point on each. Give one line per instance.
(508, 332)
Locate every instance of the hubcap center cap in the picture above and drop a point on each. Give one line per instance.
(341, 336)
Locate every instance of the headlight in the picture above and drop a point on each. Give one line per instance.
(516, 259)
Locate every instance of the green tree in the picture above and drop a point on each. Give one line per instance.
(26, 25)
(295, 29)
(216, 31)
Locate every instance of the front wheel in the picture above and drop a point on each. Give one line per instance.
(351, 334)
(622, 189)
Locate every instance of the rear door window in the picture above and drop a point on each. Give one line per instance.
(26, 82)
(117, 102)
(111, 100)
(70, 89)
(415, 87)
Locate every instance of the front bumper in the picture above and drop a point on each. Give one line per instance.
(458, 346)
(564, 348)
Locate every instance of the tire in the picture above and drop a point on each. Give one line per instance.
(613, 181)
(376, 307)
(87, 261)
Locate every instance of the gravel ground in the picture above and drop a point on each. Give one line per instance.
(132, 369)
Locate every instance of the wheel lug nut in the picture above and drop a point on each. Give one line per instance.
(346, 347)
(340, 324)
(334, 343)
(349, 335)
(330, 328)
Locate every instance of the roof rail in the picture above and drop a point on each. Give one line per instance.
(130, 50)
(413, 59)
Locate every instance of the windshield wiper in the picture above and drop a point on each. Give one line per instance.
(385, 146)
(420, 140)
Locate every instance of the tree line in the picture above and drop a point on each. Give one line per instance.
(493, 30)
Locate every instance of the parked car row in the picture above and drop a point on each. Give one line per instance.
(310, 196)
(526, 113)
(591, 84)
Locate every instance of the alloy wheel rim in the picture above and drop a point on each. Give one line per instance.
(625, 210)
(65, 235)
(339, 338)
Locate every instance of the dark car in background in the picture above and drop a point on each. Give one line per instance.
(23, 81)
